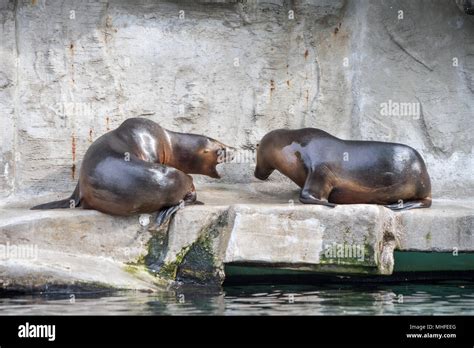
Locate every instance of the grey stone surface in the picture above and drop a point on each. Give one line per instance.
(66, 230)
(299, 238)
(448, 227)
(72, 70)
(238, 225)
(54, 270)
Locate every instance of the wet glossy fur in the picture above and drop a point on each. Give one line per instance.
(334, 171)
(141, 167)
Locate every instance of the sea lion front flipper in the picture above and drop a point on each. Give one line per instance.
(309, 199)
(317, 188)
(166, 213)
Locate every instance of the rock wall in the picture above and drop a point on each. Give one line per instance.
(399, 71)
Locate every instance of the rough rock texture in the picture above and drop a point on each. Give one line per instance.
(72, 70)
(53, 271)
(238, 225)
(233, 70)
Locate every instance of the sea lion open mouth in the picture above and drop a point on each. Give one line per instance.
(213, 173)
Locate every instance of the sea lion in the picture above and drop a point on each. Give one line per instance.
(333, 171)
(141, 167)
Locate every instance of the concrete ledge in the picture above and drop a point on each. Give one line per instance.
(53, 270)
(247, 225)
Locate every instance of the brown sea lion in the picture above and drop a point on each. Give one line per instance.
(334, 171)
(141, 167)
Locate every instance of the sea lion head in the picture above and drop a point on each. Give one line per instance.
(198, 154)
(265, 150)
(208, 153)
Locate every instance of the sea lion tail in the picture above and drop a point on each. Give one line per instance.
(71, 202)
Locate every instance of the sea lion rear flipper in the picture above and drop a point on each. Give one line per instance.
(166, 213)
(420, 203)
(71, 202)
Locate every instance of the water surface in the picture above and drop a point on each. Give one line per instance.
(446, 298)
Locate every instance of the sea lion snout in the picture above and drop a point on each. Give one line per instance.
(261, 176)
(262, 169)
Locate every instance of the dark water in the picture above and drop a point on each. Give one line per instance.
(448, 298)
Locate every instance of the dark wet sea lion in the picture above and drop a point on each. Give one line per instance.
(141, 167)
(334, 171)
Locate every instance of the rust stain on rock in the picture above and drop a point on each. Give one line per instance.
(107, 123)
(73, 146)
(272, 86)
(306, 54)
(90, 135)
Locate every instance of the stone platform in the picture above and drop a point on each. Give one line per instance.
(261, 226)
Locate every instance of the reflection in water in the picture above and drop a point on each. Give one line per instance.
(446, 298)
